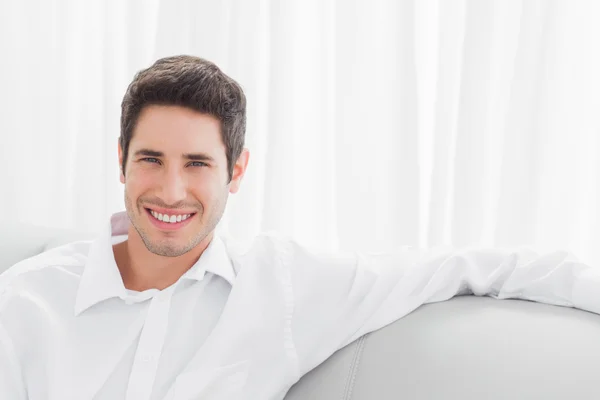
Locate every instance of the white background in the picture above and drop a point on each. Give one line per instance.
(371, 123)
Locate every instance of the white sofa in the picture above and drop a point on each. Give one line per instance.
(466, 348)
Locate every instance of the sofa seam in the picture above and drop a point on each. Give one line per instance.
(349, 387)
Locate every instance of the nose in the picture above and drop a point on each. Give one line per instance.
(173, 188)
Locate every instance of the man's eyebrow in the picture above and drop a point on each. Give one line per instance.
(148, 153)
(198, 157)
(187, 156)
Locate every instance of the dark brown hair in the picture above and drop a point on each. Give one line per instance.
(190, 82)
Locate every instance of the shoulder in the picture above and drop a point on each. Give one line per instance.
(263, 245)
(274, 251)
(44, 270)
(273, 246)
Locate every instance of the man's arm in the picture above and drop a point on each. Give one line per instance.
(340, 298)
(11, 382)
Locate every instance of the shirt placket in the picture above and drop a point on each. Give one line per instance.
(147, 356)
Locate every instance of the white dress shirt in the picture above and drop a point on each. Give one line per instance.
(240, 324)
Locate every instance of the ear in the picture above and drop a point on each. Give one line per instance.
(121, 174)
(239, 169)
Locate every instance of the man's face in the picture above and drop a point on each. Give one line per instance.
(177, 171)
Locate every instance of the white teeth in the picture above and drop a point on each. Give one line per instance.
(170, 219)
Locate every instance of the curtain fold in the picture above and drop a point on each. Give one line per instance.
(370, 124)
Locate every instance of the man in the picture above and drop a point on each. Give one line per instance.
(159, 307)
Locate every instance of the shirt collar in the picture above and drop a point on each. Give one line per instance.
(101, 278)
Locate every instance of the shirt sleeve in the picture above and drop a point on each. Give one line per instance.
(11, 382)
(338, 298)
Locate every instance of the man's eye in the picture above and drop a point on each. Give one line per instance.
(150, 159)
(198, 164)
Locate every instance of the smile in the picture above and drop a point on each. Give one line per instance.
(165, 221)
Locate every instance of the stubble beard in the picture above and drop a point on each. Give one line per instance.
(166, 247)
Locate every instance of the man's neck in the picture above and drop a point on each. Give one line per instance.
(142, 270)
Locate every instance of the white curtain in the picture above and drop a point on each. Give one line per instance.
(371, 124)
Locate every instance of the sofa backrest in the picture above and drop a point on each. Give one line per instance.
(20, 241)
(467, 348)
